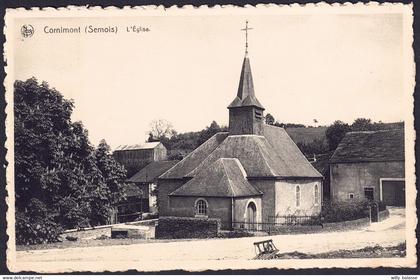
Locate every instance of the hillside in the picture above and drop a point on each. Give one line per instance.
(307, 135)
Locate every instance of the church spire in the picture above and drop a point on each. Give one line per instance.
(246, 95)
(245, 111)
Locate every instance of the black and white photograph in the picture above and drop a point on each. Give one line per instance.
(195, 139)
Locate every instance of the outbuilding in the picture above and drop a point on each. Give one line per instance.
(369, 165)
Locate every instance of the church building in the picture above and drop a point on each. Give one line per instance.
(252, 174)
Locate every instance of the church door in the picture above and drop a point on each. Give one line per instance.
(251, 214)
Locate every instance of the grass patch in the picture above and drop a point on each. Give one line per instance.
(376, 251)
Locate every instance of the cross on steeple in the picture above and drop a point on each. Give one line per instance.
(246, 36)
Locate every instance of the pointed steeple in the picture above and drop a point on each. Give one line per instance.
(246, 112)
(245, 95)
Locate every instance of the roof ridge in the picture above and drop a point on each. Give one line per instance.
(190, 154)
(265, 158)
(246, 135)
(227, 175)
(204, 160)
(241, 167)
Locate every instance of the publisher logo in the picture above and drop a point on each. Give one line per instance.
(27, 31)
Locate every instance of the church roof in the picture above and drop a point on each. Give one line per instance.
(370, 146)
(152, 171)
(194, 158)
(223, 178)
(272, 155)
(246, 94)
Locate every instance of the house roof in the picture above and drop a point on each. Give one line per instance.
(223, 178)
(133, 190)
(370, 146)
(142, 146)
(272, 155)
(152, 171)
(246, 94)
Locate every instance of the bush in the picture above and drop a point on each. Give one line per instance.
(382, 205)
(235, 234)
(36, 226)
(182, 227)
(340, 211)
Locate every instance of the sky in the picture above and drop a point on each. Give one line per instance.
(186, 69)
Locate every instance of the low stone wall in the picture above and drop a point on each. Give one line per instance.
(383, 215)
(95, 232)
(89, 233)
(133, 231)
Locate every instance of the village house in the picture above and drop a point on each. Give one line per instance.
(144, 164)
(254, 173)
(145, 183)
(135, 157)
(369, 165)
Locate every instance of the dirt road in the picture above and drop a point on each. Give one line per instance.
(203, 252)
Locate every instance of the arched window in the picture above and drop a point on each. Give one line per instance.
(316, 194)
(201, 208)
(297, 196)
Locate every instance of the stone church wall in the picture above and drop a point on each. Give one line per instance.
(268, 199)
(218, 208)
(286, 198)
(164, 188)
(241, 205)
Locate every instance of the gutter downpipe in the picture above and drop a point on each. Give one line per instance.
(232, 212)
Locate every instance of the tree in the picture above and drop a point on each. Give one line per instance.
(269, 119)
(55, 164)
(335, 133)
(208, 132)
(288, 125)
(159, 129)
(111, 189)
(317, 146)
(362, 124)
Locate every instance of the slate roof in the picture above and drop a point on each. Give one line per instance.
(133, 190)
(246, 94)
(272, 155)
(152, 171)
(223, 178)
(194, 158)
(142, 146)
(370, 146)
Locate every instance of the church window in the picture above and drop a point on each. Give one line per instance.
(316, 194)
(201, 208)
(297, 196)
